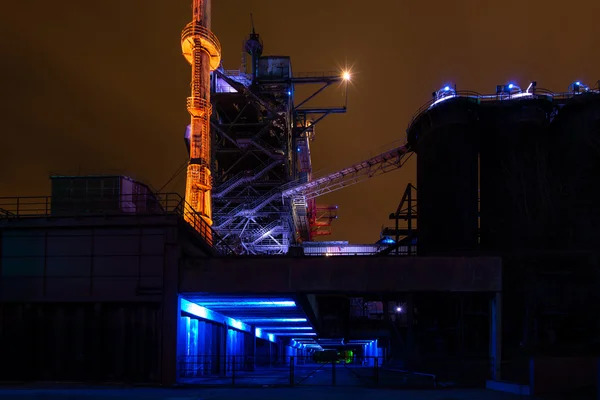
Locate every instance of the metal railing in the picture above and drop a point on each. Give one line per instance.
(243, 177)
(332, 250)
(125, 204)
(478, 97)
(299, 370)
(363, 156)
(194, 29)
(317, 74)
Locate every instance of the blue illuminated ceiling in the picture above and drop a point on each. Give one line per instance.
(279, 316)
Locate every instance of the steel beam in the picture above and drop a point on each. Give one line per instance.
(341, 274)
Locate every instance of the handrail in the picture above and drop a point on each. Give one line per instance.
(326, 172)
(194, 28)
(317, 74)
(466, 94)
(246, 209)
(244, 177)
(125, 204)
(393, 150)
(5, 213)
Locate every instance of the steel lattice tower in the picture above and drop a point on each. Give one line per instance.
(202, 50)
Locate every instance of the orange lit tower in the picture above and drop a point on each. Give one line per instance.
(202, 50)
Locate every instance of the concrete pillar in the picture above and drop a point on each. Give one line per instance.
(182, 345)
(235, 348)
(496, 335)
(170, 312)
(231, 350)
(225, 360)
(208, 347)
(193, 348)
(250, 349)
(281, 353)
(410, 328)
(203, 332)
(219, 348)
(370, 354)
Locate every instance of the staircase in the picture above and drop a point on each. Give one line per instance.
(244, 210)
(243, 177)
(260, 234)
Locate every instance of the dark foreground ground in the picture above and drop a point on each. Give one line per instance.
(299, 393)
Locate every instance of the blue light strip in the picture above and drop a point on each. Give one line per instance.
(245, 304)
(295, 334)
(269, 320)
(288, 328)
(204, 313)
(210, 315)
(264, 335)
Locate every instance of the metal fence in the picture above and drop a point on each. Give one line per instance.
(125, 204)
(243, 371)
(478, 98)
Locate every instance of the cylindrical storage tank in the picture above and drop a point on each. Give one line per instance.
(445, 140)
(576, 164)
(516, 196)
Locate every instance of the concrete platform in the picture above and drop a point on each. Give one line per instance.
(329, 393)
(359, 274)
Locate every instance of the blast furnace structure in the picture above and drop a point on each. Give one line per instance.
(260, 143)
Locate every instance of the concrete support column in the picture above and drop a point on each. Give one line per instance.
(195, 363)
(410, 328)
(203, 341)
(496, 335)
(282, 355)
(182, 345)
(217, 349)
(250, 349)
(225, 361)
(372, 353)
(208, 347)
(170, 312)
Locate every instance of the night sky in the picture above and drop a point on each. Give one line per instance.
(100, 86)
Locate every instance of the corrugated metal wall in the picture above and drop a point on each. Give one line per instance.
(84, 303)
(117, 342)
(81, 264)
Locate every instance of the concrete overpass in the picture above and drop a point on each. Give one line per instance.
(128, 276)
(359, 274)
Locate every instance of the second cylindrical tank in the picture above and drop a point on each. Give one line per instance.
(445, 140)
(516, 196)
(576, 165)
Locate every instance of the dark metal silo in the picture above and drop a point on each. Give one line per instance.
(516, 196)
(445, 140)
(576, 164)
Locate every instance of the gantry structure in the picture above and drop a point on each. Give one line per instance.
(261, 142)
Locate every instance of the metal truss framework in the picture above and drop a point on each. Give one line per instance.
(261, 142)
(303, 195)
(404, 237)
(380, 164)
(293, 198)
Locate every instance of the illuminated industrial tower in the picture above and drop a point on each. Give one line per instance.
(202, 50)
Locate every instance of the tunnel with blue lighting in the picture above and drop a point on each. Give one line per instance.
(219, 334)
